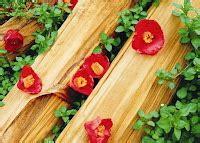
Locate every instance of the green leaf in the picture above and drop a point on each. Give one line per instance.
(116, 42)
(16, 68)
(57, 11)
(171, 85)
(151, 123)
(185, 40)
(97, 50)
(2, 104)
(141, 113)
(177, 133)
(176, 12)
(3, 51)
(103, 36)
(63, 109)
(55, 129)
(194, 119)
(182, 93)
(190, 56)
(48, 140)
(57, 114)
(154, 114)
(108, 47)
(183, 32)
(138, 125)
(147, 139)
(1, 71)
(119, 29)
(196, 43)
(187, 109)
(156, 3)
(165, 124)
(2, 97)
(197, 31)
(196, 129)
(196, 62)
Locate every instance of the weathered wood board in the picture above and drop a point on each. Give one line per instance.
(64, 58)
(131, 84)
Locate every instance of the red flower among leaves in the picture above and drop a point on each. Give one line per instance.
(29, 81)
(148, 37)
(13, 40)
(73, 2)
(98, 130)
(97, 64)
(82, 82)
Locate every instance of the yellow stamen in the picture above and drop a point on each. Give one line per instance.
(80, 82)
(148, 37)
(101, 130)
(97, 68)
(28, 81)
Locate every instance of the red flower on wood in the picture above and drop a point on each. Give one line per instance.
(82, 82)
(29, 81)
(98, 130)
(97, 65)
(148, 37)
(73, 2)
(13, 40)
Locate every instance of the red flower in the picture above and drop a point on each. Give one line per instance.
(13, 40)
(82, 82)
(29, 81)
(73, 2)
(98, 130)
(97, 65)
(148, 37)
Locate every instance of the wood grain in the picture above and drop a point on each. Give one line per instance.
(130, 85)
(62, 60)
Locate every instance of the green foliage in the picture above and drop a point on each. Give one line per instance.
(180, 122)
(129, 18)
(65, 115)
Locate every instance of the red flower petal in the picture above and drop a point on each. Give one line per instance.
(13, 40)
(97, 65)
(154, 40)
(82, 82)
(98, 130)
(29, 81)
(73, 2)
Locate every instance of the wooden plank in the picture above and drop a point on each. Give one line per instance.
(156, 100)
(131, 84)
(64, 57)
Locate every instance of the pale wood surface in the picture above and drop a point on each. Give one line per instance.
(72, 46)
(130, 85)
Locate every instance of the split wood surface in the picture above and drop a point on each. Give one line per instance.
(131, 84)
(78, 36)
